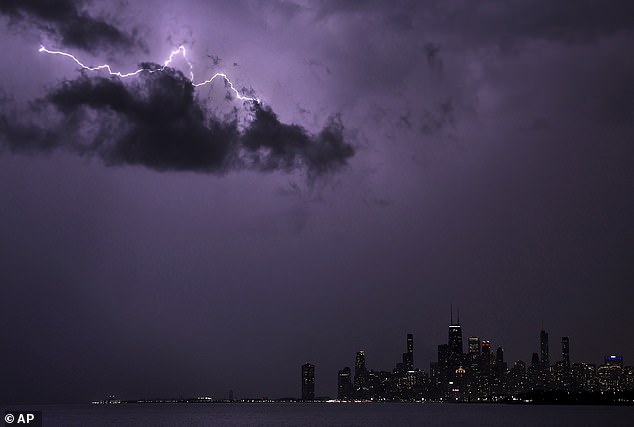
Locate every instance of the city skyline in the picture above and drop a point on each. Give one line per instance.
(364, 167)
(565, 373)
(457, 375)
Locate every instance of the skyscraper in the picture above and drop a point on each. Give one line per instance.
(455, 339)
(474, 346)
(500, 364)
(360, 375)
(308, 381)
(455, 356)
(441, 369)
(473, 356)
(543, 345)
(408, 357)
(485, 358)
(499, 355)
(344, 384)
(565, 352)
(359, 365)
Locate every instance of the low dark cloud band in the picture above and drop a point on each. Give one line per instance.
(157, 121)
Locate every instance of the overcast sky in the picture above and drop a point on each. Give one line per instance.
(161, 240)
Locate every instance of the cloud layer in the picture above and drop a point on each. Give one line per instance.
(67, 21)
(157, 121)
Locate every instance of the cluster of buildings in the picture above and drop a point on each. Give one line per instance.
(477, 373)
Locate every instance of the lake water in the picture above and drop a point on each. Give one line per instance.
(335, 414)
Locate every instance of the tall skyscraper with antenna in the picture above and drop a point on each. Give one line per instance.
(456, 354)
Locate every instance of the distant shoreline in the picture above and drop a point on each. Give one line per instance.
(534, 398)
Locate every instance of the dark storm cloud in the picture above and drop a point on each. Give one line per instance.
(158, 122)
(290, 145)
(66, 20)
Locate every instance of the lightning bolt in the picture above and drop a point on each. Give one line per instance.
(179, 51)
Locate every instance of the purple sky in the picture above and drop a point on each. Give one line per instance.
(484, 161)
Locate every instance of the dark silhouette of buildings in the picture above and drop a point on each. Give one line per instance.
(404, 382)
(308, 382)
(483, 375)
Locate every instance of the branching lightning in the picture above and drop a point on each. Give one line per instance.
(181, 50)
